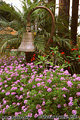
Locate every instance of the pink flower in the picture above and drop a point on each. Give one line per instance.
(78, 78)
(13, 103)
(7, 106)
(2, 90)
(18, 104)
(36, 115)
(23, 107)
(8, 79)
(40, 91)
(21, 88)
(1, 83)
(54, 86)
(13, 93)
(40, 112)
(62, 78)
(59, 106)
(30, 115)
(56, 67)
(41, 75)
(18, 80)
(7, 93)
(65, 105)
(49, 89)
(70, 103)
(43, 103)
(14, 88)
(64, 95)
(38, 106)
(5, 81)
(45, 87)
(71, 99)
(38, 84)
(56, 118)
(30, 80)
(33, 86)
(6, 85)
(74, 80)
(54, 98)
(66, 72)
(16, 113)
(35, 95)
(28, 93)
(3, 111)
(74, 75)
(38, 79)
(28, 96)
(19, 112)
(57, 88)
(20, 97)
(42, 83)
(16, 96)
(74, 112)
(62, 69)
(49, 81)
(64, 89)
(25, 101)
(69, 83)
(78, 93)
(65, 115)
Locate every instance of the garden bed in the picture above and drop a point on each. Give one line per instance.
(33, 91)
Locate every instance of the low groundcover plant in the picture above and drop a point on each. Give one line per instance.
(25, 92)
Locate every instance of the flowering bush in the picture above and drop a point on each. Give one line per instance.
(73, 60)
(25, 92)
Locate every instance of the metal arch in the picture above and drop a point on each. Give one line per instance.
(53, 21)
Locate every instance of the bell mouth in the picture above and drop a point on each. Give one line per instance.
(28, 50)
(29, 47)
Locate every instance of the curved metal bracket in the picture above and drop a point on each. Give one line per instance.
(53, 21)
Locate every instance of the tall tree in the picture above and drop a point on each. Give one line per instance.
(64, 6)
(74, 22)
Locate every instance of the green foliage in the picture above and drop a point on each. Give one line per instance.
(44, 23)
(18, 23)
(50, 91)
(5, 14)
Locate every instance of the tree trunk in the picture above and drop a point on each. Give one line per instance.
(64, 6)
(74, 22)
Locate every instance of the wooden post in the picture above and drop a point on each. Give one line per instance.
(74, 22)
(64, 6)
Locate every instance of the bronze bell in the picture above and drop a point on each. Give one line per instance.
(27, 44)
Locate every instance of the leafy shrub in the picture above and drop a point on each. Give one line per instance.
(25, 92)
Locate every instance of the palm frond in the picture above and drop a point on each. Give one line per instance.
(15, 25)
(11, 10)
(4, 23)
(40, 42)
(62, 42)
(10, 42)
